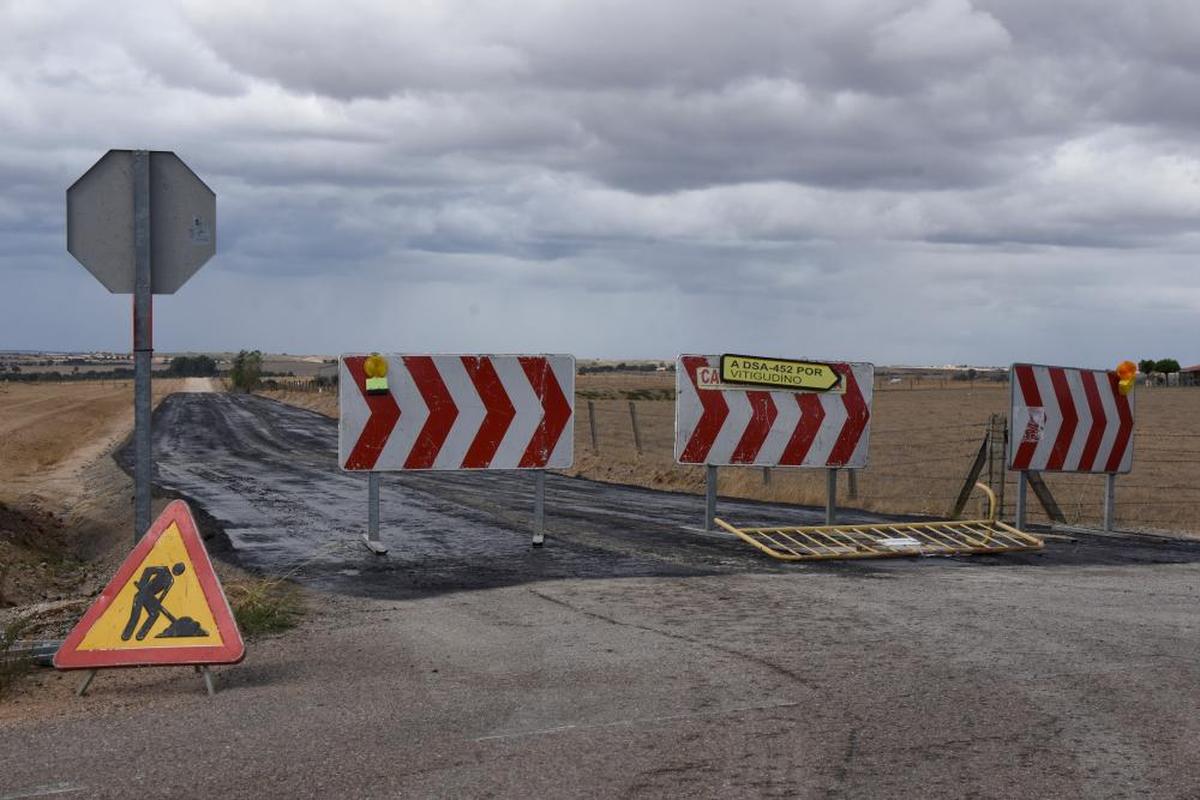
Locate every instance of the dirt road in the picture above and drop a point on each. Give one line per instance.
(629, 657)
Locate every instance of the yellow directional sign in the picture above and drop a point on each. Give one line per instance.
(804, 376)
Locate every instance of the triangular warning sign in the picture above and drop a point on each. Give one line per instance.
(164, 606)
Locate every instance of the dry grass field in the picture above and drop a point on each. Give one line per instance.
(924, 436)
(63, 501)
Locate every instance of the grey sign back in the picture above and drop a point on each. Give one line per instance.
(100, 222)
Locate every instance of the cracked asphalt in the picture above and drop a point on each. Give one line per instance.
(630, 657)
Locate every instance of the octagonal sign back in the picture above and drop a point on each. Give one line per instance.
(100, 224)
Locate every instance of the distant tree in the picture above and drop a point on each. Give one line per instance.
(193, 366)
(1166, 366)
(1146, 366)
(246, 371)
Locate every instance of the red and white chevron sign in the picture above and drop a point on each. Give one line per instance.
(458, 412)
(1069, 420)
(722, 424)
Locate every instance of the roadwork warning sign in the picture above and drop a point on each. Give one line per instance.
(164, 606)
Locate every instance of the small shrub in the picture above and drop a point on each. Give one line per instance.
(264, 606)
(11, 667)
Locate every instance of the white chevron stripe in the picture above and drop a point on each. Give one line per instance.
(413, 413)
(831, 428)
(470, 412)
(1041, 455)
(788, 415)
(563, 367)
(727, 440)
(353, 413)
(1079, 396)
(688, 409)
(1113, 425)
(528, 408)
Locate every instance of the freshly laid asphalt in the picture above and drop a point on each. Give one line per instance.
(629, 657)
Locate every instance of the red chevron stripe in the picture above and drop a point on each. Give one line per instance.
(1033, 399)
(858, 414)
(442, 412)
(556, 411)
(1070, 419)
(500, 412)
(809, 425)
(762, 417)
(1126, 426)
(716, 410)
(384, 416)
(1099, 421)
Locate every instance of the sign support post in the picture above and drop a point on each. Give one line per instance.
(1022, 499)
(831, 497)
(143, 344)
(539, 507)
(372, 537)
(710, 496)
(1110, 501)
(142, 223)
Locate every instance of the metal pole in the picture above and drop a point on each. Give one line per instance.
(143, 344)
(852, 474)
(766, 476)
(1022, 499)
(373, 507)
(831, 497)
(539, 508)
(710, 496)
(1110, 501)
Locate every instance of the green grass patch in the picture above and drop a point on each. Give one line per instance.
(263, 606)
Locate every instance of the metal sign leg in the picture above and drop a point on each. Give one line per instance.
(831, 497)
(539, 507)
(372, 537)
(1110, 501)
(143, 345)
(87, 681)
(710, 496)
(1022, 499)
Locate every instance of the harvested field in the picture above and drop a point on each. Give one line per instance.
(924, 436)
(63, 502)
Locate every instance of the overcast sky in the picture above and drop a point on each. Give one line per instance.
(899, 182)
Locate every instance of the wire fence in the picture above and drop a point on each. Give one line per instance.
(913, 469)
(924, 437)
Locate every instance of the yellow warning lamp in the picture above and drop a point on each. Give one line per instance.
(1127, 377)
(376, 367)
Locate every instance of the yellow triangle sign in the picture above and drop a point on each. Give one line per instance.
(165, 605)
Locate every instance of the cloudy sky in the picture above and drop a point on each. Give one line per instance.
(902, 182)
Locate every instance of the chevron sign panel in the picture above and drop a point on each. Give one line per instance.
(1069, 420)
(453, 412)
(724, 424)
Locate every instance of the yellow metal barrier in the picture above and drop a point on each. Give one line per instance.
(891, 540)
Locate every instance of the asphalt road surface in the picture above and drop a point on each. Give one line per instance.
(629, 657)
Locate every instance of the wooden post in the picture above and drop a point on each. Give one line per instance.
(637, 434)
(592, 424)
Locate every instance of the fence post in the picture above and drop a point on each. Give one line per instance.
(592, 424)
(1110, 501)
(637, 434)
(831, 497)
(1022, 498)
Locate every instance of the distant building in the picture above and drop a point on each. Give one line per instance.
(1190, 376)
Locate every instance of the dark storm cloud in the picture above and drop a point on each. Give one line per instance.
(628, 178)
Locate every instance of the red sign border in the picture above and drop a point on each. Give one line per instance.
(231, 651)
